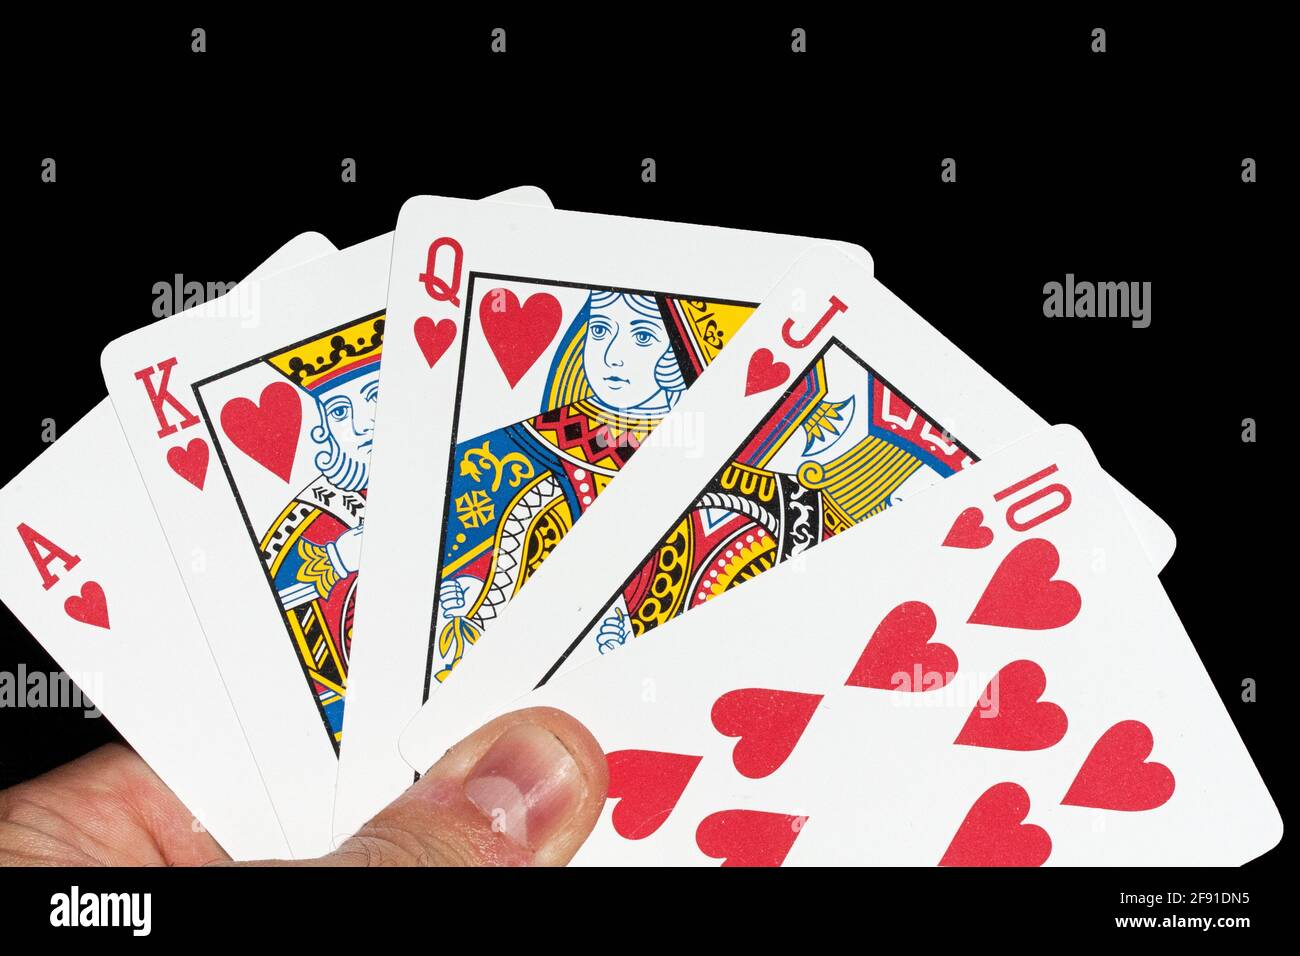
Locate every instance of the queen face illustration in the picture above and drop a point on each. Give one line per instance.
(627, 355)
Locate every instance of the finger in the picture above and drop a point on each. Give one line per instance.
(523, 790)
(104, 808)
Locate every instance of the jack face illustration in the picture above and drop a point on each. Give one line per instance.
(840, 446)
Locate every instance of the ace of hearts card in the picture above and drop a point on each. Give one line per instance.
(832, 404)
(991, 676)
(89, 573)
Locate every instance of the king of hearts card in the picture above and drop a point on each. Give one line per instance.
(308, 540)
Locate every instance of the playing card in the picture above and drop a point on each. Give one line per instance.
(530, 353)
(87, 570)
(253, 439)
(989, 676)
(833, 403)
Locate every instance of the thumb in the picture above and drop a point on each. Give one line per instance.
(524, 789)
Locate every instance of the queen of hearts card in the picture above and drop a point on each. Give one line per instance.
(620, 365)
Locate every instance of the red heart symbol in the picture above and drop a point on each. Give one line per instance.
(190, 462)
(266, 432)
(434, 338)
(764, 372)
(88, 607)
(518, 334)
(900, 655)
(768, 722)
(993, 833)
(1010, 716)
(968, 531)
(1116, 774)
(1022, 593)
(748, 837)
(647, 785)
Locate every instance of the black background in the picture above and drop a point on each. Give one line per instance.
(1123, 166)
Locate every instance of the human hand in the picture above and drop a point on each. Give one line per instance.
(524, 789)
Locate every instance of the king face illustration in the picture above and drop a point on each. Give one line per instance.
(311, 552)
(620, 366)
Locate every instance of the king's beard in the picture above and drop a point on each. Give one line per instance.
(341, 468)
